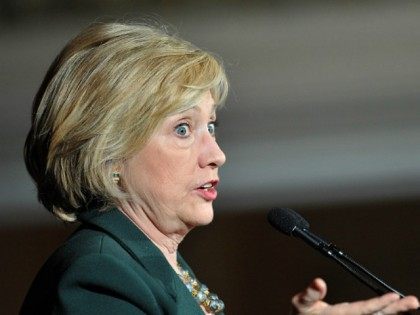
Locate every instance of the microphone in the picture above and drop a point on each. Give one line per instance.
(291, 223)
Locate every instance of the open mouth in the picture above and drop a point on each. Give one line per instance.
(208, 190)
(207, 186)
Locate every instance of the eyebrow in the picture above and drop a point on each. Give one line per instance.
(198, 109)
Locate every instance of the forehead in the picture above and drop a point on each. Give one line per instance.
(205, 105)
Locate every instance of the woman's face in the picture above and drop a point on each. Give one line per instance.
(175, 175)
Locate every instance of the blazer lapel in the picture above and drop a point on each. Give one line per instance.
(133, 240)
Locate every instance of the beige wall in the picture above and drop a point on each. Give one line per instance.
(324, 103)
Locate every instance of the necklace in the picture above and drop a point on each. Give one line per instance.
(201, 293)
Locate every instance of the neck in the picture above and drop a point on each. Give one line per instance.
(166, 241)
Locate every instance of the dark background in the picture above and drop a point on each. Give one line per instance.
(323, 116)
(252, 267)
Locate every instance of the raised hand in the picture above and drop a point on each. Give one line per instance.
(310, 302)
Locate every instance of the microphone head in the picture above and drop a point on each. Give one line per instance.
(286, 220)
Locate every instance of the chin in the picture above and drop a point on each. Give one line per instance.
(203, 216)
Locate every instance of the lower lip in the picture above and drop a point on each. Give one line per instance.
(208, 194)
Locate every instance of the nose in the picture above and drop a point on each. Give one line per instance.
(211, 154)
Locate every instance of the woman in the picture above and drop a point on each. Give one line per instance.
(123, 141)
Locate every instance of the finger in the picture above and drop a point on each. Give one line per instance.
(406, 304)
(372, 305)
(315, 291)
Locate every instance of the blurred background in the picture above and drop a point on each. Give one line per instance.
(323, 116)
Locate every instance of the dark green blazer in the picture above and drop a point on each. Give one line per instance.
(108, 266)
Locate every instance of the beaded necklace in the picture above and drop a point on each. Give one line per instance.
(201, 293)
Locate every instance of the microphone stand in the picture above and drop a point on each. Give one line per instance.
(331, 251)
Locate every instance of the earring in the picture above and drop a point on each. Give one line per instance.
(115, 177)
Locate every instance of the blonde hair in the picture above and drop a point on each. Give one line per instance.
(101, 100)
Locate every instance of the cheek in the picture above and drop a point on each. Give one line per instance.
(175, 165)
(164, 171)
(168, 173)
(175, 179)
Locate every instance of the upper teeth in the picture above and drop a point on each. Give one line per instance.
(208, 185)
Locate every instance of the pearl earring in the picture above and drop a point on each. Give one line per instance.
(115, 177)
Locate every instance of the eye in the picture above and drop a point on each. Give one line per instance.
(211, 127)
(183, 130)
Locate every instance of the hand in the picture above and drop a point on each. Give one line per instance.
(310, 302)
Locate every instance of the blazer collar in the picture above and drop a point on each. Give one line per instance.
(132, 239)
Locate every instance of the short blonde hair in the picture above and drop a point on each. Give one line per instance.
(101, 100)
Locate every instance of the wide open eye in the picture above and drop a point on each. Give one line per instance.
(183, 130)
(211, 127)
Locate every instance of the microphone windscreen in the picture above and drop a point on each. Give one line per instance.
(285, 220)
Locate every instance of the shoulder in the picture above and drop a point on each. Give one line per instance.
(91, 254)
(103, 283)
(92, 249)
(89, 241)
(92, 272)
(109, 266)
